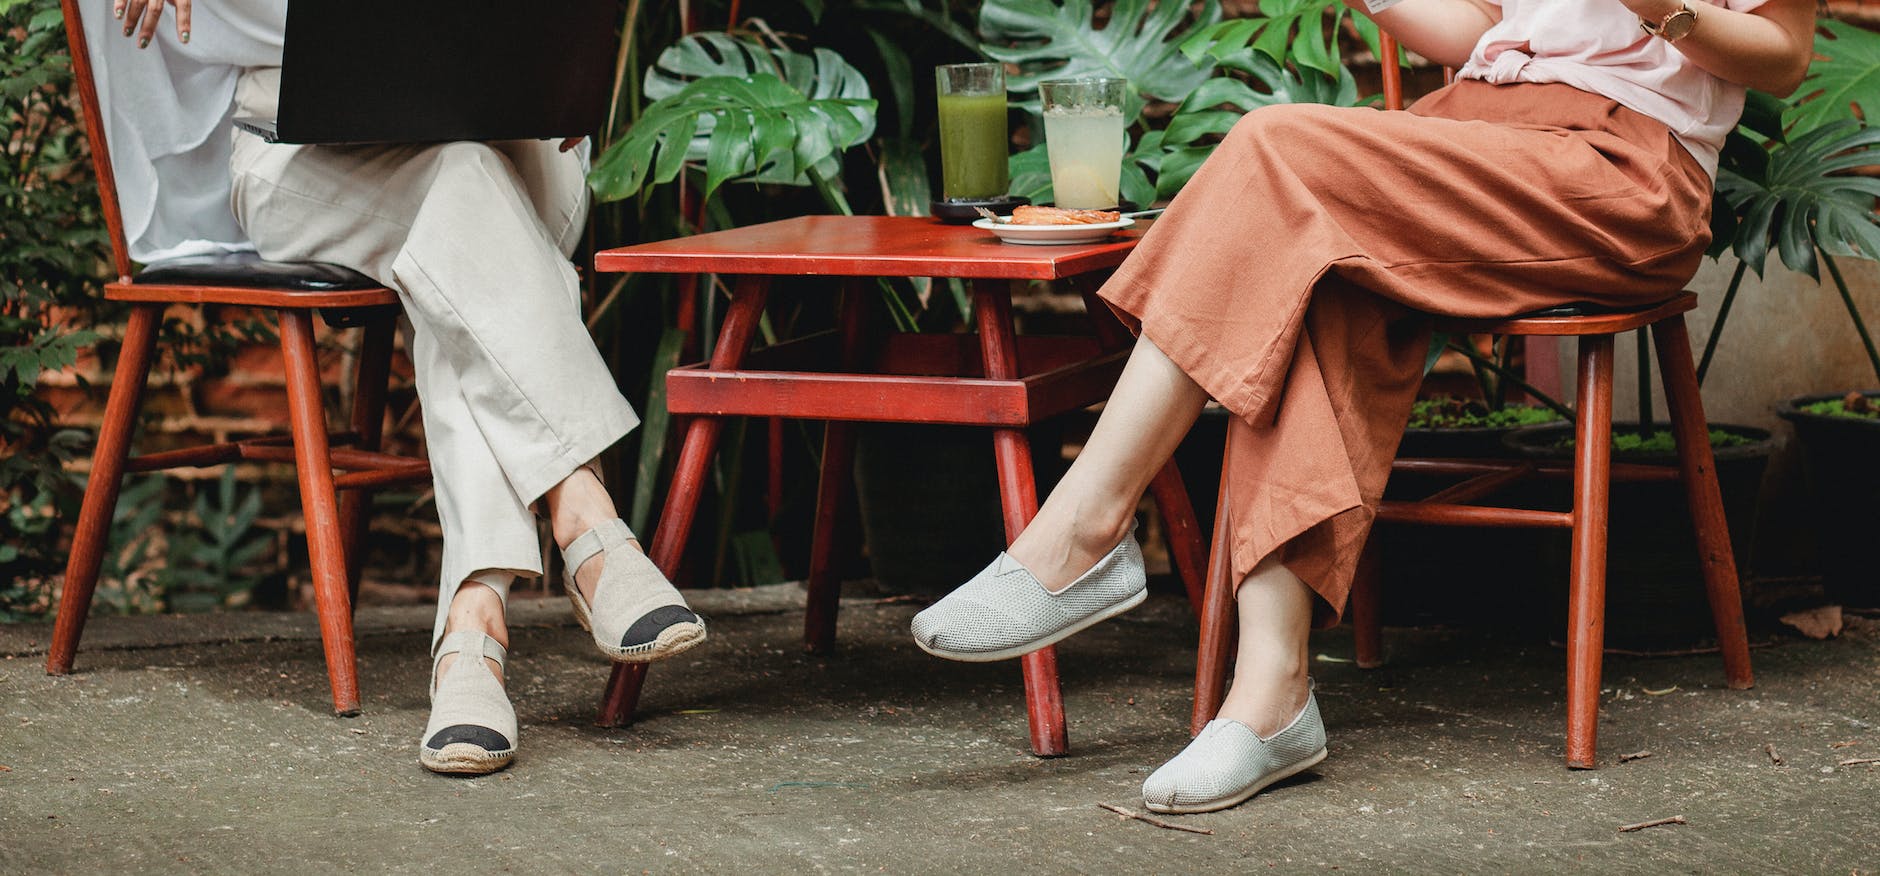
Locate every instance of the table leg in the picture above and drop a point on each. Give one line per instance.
(1018, 495)
(834, 490)
(690, 476)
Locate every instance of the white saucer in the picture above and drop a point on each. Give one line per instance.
(1053, 235)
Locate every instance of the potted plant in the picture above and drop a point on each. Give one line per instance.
(1793, 182)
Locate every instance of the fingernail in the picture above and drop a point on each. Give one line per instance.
(118, 12)
(185, 36)
(144, 43)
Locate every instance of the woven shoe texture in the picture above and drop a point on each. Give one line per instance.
(1227, 763)
(473, 727)
(1005, 611)
(637, 615)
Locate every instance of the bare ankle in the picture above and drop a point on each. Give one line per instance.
(577, 504)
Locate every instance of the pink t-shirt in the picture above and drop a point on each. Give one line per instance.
(1597, 46)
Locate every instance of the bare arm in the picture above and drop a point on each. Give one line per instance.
(1444, 31)
(1767, 49)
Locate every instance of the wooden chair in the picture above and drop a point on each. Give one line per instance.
(1592, 473)
(294, 292)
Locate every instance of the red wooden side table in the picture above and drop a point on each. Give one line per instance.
(849, 374)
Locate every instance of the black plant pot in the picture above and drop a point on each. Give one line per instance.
(1454, 574)
(1841, 458)
(1655, 597)
(929, 500)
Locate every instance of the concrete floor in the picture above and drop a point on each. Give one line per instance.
(204, 744)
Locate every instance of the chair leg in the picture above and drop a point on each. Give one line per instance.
(368, 422)
(1217, 615)
(1367, 610)
(690, 476)
(101, 490)
(1699, 469)
(1185, 546)
(832, 488)
(325, 542)
(1586, 609)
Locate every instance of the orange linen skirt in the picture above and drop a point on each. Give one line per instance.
(1294, 276)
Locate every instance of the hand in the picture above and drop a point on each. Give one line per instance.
(571, 143)
(141, 17)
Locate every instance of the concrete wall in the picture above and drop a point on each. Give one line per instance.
(1787, 336)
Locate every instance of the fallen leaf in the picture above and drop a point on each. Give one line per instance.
(1816, 623)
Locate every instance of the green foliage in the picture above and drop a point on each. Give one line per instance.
(1844, 80)
(1800, 199)
(1051, 40)
(1283, 31)
(741, 111)
(52, 256)
(206, 561)
(1837, 407)
(1212, 84)
(210, 563)
(1786, 180)
(1660, 443)
(1445, 412)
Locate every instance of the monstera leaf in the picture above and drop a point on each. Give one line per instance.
(1285, 30)
(1052, 40)
(1843, 83)
(1803, 200)
(743, 111)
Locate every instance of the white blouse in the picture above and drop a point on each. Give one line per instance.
(1598, 46)
(168, 113)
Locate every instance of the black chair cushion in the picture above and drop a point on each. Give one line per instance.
(253, 273)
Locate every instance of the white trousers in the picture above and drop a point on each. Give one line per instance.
(475, 239)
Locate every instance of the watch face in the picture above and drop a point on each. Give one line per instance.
(1678, 25)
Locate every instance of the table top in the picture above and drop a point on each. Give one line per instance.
(866, 246)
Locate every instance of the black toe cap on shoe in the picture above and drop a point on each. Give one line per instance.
(481, 737)
(647, 629)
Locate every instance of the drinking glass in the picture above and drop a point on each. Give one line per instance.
(973, 132)
(1083, 136)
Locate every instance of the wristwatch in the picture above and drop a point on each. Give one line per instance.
(1675, 26)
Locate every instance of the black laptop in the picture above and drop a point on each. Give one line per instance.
(423, 71)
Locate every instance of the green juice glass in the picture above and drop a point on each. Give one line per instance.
(973, 132)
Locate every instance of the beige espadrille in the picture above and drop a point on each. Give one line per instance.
(472, 730)
(637, 615)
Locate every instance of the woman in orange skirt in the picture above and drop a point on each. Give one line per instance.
(1293, 278)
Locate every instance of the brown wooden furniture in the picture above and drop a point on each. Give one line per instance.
(294, 293)
(1592, 472)
(850, 374)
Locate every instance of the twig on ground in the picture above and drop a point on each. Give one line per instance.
(1656, 822)
(898, 599)
(1658, 693)
(1636, 755)
(1859, 761)
(1846, 744)
(1769, 748)
(1149, 819)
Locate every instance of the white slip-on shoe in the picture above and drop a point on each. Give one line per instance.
(1227, 763)
(472, 730)
(1004, 611)
(637, 615)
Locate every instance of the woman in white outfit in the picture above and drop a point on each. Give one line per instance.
(475, 238)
